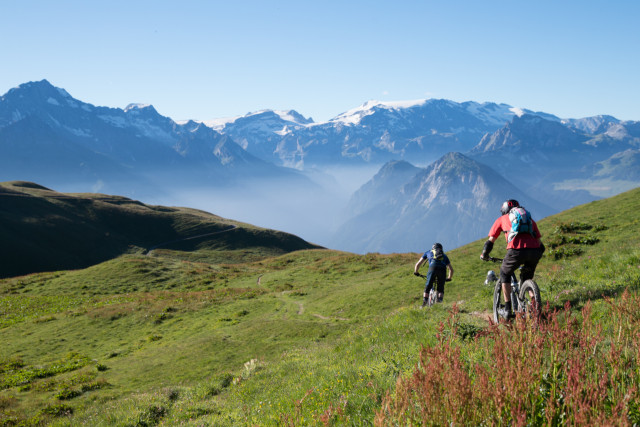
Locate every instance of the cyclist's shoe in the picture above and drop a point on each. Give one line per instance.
(506, 313)
(439, 299)
(424, 303)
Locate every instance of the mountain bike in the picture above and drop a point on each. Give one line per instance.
(525, 297)
(432, 298)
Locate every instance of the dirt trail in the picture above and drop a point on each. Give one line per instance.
(199, 236)
(301, 309)
(485, 315)
(320, 316)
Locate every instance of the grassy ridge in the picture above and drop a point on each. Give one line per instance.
(43, 230)
(305, 338)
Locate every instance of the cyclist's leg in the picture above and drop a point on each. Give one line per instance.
(530, 260)
(510, 263)
(429, 283)
(441, 275)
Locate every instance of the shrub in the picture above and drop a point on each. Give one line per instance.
(67, 393)
(572, 227)
(151, 416)
(60, 410)
(564, 252)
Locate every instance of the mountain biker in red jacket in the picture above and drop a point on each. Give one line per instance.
(524, 249)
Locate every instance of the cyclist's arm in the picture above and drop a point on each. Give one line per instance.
(418, 265)
(537, 231)
(495, 231)
(450, 268)
(488, 246)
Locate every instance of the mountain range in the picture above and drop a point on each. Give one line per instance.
(375, 132)
(435, 159)
(48, 136)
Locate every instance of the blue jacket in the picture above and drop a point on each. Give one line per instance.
(434, 262)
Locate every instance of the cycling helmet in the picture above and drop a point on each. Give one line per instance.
(508, 205)
(491, 278)
(436, 246)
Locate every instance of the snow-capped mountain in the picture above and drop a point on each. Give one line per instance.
(48, 136)
(260, 133)
(452, 201)
(376, 132)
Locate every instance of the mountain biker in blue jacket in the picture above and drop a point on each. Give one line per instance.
(438, 265)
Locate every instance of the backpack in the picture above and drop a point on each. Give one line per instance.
(438, 255)
(520, 223)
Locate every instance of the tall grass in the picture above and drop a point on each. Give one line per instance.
(562, 371)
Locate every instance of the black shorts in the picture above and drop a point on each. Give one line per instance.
(527, 258)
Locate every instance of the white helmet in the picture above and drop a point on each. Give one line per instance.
(491, 277)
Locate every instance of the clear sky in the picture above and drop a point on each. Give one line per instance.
(209, 59)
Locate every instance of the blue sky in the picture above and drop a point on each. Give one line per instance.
(210, 59)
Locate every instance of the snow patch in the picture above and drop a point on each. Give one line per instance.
(497, 114)
(218, 124)
(152, 131)
(285, 130)
(136, 107)
(53, 101)
(517, 111)
(355, 115)
(63, 93)
(85, 133)
(286, 115)
(113, 120)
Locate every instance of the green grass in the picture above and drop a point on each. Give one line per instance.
(305, 338)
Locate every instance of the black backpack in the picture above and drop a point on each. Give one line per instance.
(438, 253)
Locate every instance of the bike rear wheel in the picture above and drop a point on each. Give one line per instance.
(530, 299)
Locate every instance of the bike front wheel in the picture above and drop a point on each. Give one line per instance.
(530, 299)
(432, 298)
(498, 301)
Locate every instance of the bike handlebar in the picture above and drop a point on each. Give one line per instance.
(492, 259)
(424, 277)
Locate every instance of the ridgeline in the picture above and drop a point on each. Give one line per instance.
(43, 230)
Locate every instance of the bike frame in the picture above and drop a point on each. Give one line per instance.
(522, 295)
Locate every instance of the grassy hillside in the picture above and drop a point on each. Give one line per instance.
(43, 230)
(319, 337)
